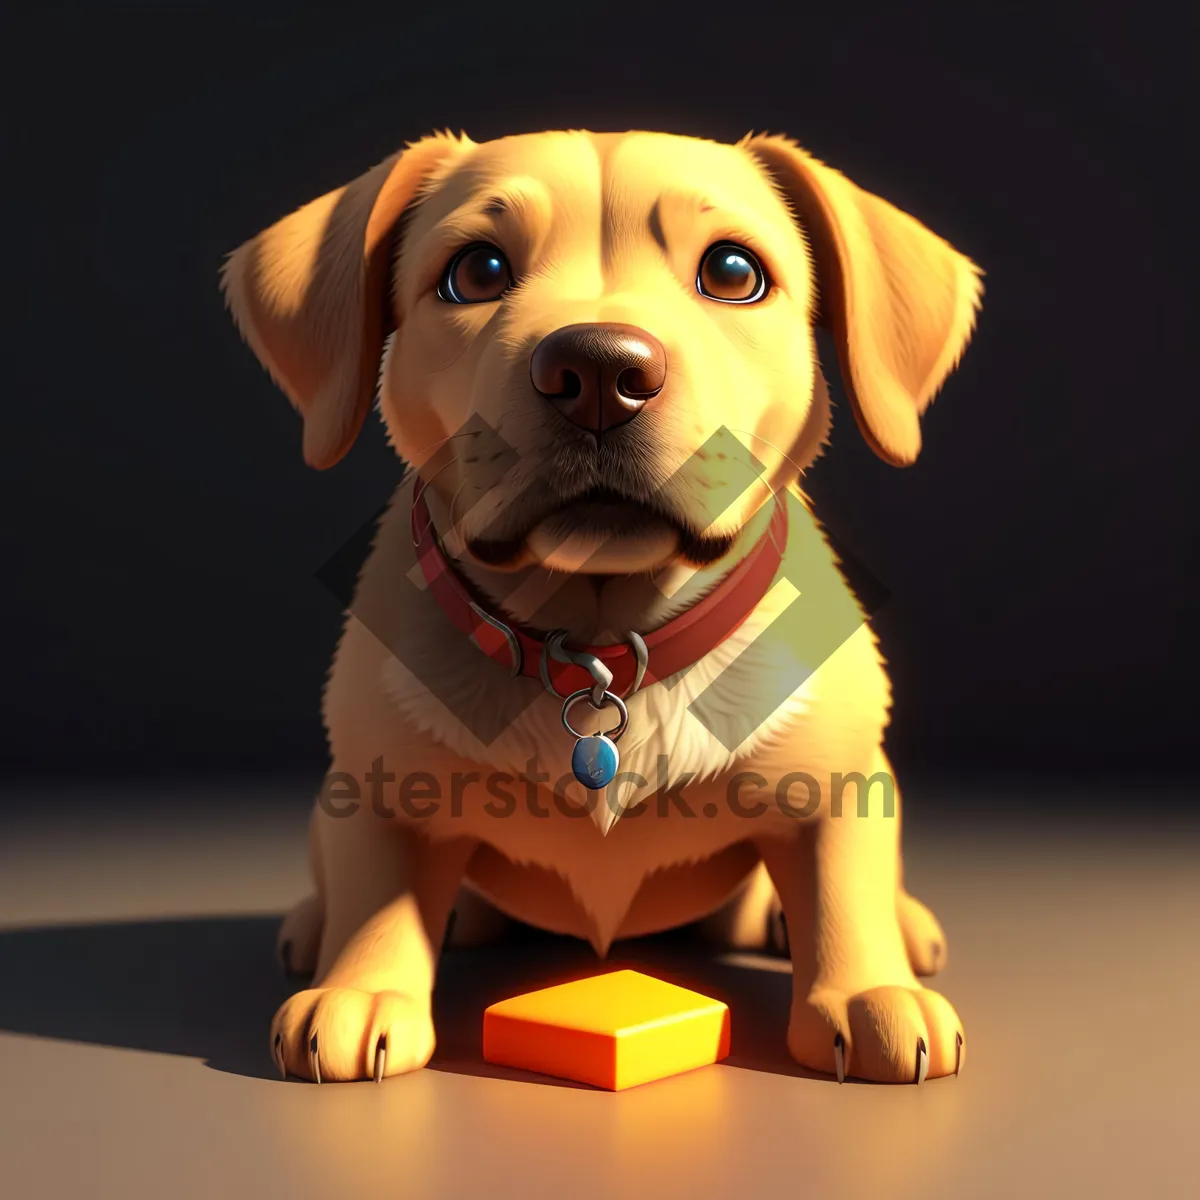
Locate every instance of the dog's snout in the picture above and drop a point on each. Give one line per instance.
(599, 375)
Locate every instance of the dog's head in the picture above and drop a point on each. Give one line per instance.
(603, 350)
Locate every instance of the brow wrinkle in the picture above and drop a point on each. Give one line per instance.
(656, 227)
(675, 207)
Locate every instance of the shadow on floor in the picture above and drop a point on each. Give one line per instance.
(207, 988)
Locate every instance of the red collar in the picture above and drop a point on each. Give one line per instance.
(673, 647)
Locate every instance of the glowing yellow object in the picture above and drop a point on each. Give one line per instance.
(613, 1031)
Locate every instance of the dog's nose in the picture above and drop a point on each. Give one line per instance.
(599, 376)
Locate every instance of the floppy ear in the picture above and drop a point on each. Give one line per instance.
(310, 294)
(899, 301)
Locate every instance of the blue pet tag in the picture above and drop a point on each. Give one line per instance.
(595, 760)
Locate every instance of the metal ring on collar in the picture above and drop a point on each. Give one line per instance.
(553, 647)
(589, 662)
(609, 698)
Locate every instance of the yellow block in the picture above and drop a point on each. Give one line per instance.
(613, 1031)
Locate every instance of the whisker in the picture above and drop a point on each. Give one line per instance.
(422, 484)
(782, 453)
(454, 500)
(441, 442)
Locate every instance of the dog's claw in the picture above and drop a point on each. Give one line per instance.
(839, 1057)
(380, 1059)
(277, 1055)
(314, 1059)
(958, 1047)
(922, 1061)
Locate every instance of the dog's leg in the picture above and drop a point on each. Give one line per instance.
(857, 1007)
(388, 893)
(754, 920)
(299, 939)
(475, 922)
(923, 936)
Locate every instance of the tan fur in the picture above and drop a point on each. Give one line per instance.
(604, 228)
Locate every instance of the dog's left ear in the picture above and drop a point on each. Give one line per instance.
(899, 301)
(310, 294)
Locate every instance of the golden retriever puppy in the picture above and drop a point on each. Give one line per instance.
(602, 672)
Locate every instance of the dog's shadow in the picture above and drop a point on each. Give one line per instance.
(207, 987)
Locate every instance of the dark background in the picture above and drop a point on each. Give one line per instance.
(161, 532)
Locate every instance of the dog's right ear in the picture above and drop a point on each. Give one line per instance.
(310, 294)
(899, 301)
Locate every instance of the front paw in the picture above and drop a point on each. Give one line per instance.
(340, 1033)
(891, 1034)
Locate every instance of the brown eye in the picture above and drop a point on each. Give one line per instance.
(476, 275)
(732, 274)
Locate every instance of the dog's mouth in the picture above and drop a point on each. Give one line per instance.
(604, 531)
(604, 513)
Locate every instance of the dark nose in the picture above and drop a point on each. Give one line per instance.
(599, 376)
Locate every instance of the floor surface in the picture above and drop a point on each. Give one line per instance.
(137, 983)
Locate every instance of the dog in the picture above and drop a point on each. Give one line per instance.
(596, 355)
